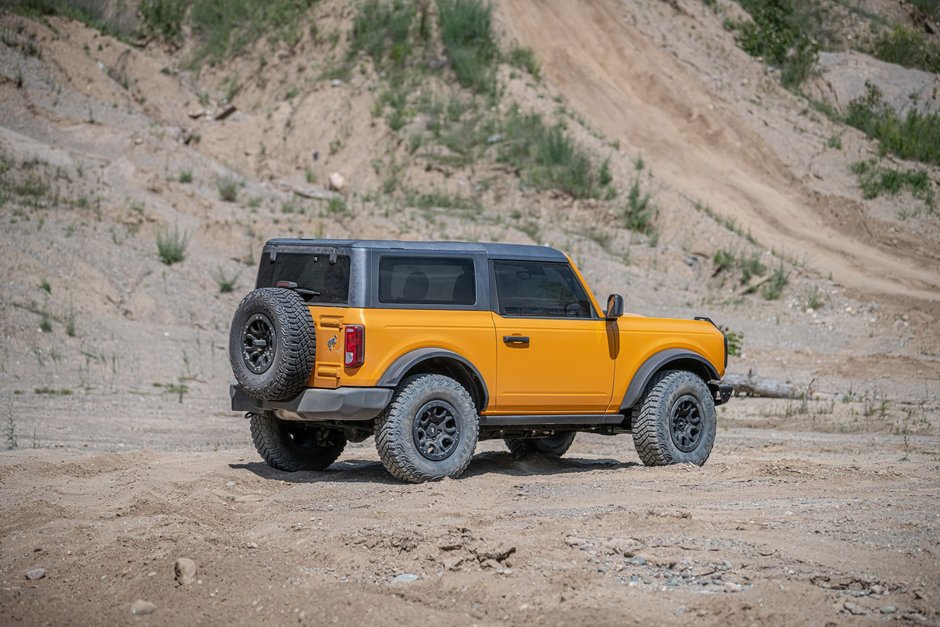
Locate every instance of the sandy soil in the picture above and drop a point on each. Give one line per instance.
(817, 510)
(779, 527)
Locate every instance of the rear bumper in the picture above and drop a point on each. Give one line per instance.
(345, 403)
(721, 392)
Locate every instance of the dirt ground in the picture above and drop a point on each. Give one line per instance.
(780, 527)
(113, 367)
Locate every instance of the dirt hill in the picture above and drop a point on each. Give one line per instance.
(144, 160)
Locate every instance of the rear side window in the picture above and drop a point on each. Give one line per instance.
(318, 280)
(427, 281)
(540, 290)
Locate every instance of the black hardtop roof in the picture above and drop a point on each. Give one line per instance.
(492, 249)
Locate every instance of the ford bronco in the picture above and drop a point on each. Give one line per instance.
(432, 346)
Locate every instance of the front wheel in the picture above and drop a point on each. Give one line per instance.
(675, 421)
(291, 445)
(429, 430)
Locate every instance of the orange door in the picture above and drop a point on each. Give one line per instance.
(564, 366)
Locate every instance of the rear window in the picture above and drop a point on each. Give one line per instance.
(427, 281)
(318, 280)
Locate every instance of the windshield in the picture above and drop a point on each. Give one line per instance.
(318, 280)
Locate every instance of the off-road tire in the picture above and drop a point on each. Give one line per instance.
(294, 344)
(671, 395)
(291, 445)
(551, 446)
(395, 435)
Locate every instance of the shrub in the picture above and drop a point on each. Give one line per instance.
(876, 181)
(776, 34)
(773, 288)
(186, 176)
(171, 245)
(165, 18)
(735, 341)
(228, 188)
(467, 33)
(910, 49)
(226, 284)
(547, 156)
(916, 136)
(381, 30)
(639, 212)
(524, 58)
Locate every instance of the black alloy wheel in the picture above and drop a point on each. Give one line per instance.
(685, 428)
(435, 430)
(259, 343)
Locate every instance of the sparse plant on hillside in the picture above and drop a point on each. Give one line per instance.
(226, 283)
(336, 205)
(10, 431)
(639, 212)
(773, 288)
(547, 155)
(467, 33)
(228, 188)
(910, 49)
(916, 136)
(523, 57)
(45, 287)
(815, 299)
(165, 18)
(186, 176)
(381, 29)
(876, 181)
(171, 245)
(735, 341)
(776, 34)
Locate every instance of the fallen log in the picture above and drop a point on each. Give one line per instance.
(753, 385)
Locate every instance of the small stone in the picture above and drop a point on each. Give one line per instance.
(453, 563)
(337, 182)
(854, 608)
(35, 573)
(335, 82)
(876, 589)
(405, 578)
(252, 545)
(185, 570)
(636, 560)
(141, 607)
(575, 541)
(888, 609)
(230, 484)
(731, 586)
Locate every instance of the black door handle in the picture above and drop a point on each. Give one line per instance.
(516, 339)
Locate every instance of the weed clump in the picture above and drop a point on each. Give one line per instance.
(776, 34)
(171, 245)
(228, 188)
(467, 33)
(910, 49)
(381, 29)
(916, 136)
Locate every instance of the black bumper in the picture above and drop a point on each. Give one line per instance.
(721, 392)
(353, 404)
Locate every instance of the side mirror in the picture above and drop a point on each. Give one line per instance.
(614, 306)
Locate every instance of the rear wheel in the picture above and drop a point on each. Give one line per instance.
(675, 421)
(429, 430)
(553, 446)
(292, 445)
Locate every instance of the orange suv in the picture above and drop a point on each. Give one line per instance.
(432, 346)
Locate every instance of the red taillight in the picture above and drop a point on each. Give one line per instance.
(355, 345)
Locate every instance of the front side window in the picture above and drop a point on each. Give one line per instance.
(540, 290)
(427, 281)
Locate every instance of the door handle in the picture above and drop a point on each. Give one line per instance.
(516, 339)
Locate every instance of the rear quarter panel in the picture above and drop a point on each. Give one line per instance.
(390, 333)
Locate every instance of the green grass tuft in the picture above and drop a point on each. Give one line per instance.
(777, 33)
(228, 188)
(171, 245)
(381, 29)
(467, 33)
(523, 58)
(910, 49)
(165, 18)
(917, 136)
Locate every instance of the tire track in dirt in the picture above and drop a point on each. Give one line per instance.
(633, 91)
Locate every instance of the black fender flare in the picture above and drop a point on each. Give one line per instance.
(401, 366)
(659, 361)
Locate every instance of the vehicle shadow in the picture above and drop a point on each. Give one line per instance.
(489, 462)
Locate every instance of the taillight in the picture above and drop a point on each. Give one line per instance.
(355, 345)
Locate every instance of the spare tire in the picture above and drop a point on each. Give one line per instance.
(272, 344)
